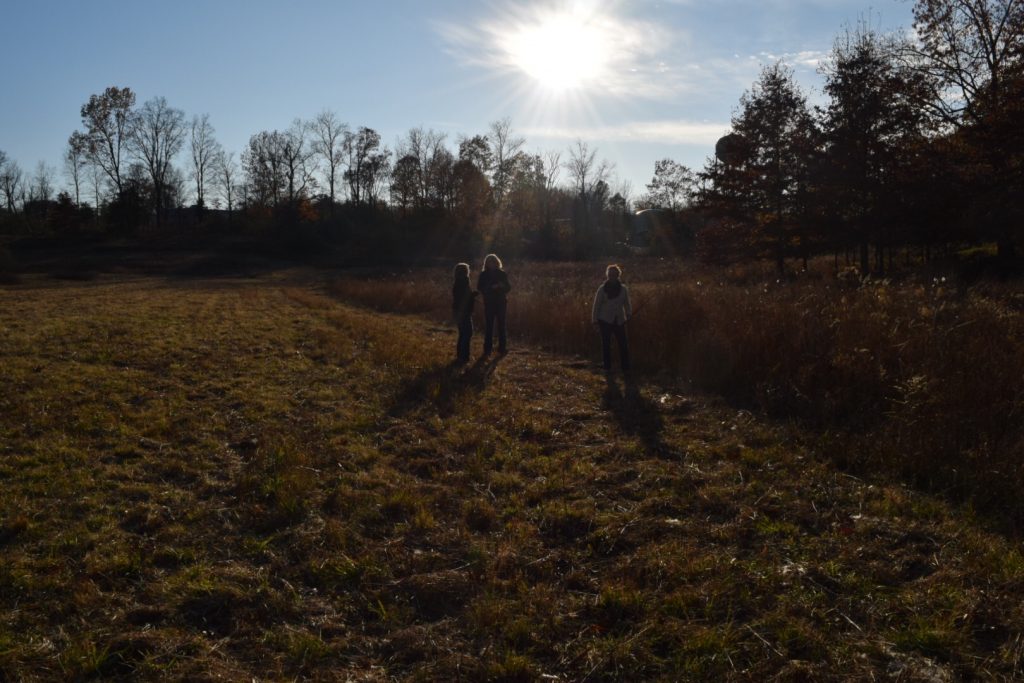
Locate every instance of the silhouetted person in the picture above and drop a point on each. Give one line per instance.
(494, 287)
(463, 298)
(611, 311)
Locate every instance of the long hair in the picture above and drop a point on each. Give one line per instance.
(496, 260)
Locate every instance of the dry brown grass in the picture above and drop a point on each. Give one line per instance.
(248, 479)
(918, 378)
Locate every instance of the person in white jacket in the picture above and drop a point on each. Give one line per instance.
(611, 311)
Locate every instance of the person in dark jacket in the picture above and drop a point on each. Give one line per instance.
(463, 298)
(493, 285)
(610, 313)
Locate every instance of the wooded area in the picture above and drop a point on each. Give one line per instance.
(917, 151)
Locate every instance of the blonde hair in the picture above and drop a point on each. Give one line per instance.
(461, 269)
(613, 268)
(496, 260)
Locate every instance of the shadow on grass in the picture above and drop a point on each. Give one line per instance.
(440, 387)
(636, 414)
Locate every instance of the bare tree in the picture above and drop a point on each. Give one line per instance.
(624, 188)
(108, 120)
(205, 151)
(968, 47)
(227, 178)
(424, 146)
(504, 148)
(296, 157)
(477, 151)
(95, 176)
(584, 171)
(277, 166)
(10, 183)
(972, 52)
(404, 182)
(42, 183)
(329, 144)
(76, 158)
(375, 175)
(552, 169)
(263, 168)
(361, 151)
(590, 182)
(672, 186)
(3, 168)
(440, 179)
(157, 136)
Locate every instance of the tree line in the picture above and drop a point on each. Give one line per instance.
(141, 168)
(918, 149)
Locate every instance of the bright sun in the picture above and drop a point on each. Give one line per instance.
(561, 51)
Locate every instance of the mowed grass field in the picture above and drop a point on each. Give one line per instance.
(239, 479)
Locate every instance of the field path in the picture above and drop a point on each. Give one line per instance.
(251, 479)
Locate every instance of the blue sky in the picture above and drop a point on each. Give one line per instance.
(638, 81)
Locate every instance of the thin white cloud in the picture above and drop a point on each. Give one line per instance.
(811, 59)
(805, 59)
(666, 132)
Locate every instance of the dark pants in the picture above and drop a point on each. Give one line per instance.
(619, 332)
(495, 313)
(465, 334)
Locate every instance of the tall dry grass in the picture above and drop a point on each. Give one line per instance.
(918, 377)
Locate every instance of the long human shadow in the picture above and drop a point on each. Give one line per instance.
(636, 414)
(440, 387)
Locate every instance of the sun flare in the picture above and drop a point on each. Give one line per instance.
(561, 51)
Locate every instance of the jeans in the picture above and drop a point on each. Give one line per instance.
(619, 332)
(495, 313)
(465, 334)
